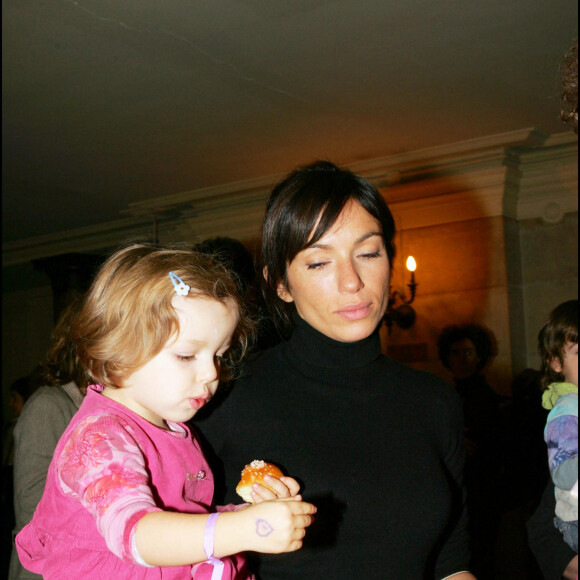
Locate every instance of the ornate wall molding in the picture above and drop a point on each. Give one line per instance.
(92, 239)
(548, 188)
(521, 174)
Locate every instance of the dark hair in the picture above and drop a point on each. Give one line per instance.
(24, 386)
(311, 194)
(569, 79)
(560, 328)
(61, 364)
(480, 336)
(232, 254)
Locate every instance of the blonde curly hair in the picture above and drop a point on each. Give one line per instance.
(127, 315)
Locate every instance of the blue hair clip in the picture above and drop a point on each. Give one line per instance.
(181, 288)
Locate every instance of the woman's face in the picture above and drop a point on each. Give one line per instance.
(340, 285)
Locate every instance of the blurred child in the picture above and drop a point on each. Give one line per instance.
(558, 345)
(129, 492)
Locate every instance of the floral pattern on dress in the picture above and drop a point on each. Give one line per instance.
(87, 448)
(103, 468)
(108, 488)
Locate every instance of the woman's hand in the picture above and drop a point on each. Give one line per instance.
(284, 487)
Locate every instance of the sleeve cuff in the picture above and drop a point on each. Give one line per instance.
(132, 540)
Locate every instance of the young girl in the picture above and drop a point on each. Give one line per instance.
(129, 492)
(558, 345)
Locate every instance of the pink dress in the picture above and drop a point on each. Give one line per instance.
(109, 469)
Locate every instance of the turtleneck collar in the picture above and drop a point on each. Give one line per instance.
(313, 352)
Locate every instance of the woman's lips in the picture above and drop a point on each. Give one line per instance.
(355, 311)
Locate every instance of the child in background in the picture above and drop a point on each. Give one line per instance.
(129, 492)
(558, 345)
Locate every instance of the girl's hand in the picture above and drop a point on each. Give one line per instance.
(279, 489)
(278, 526)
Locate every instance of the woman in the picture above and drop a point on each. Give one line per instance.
(377, 444)
(20, 391)
(43, 420)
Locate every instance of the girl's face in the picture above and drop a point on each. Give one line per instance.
(570, 367)
(183, 377)
(340, 285)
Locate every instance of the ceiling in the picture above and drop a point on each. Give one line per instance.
(107, 103)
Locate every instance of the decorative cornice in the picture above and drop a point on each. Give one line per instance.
(548, 187)
(90, 239)
(449, 157)
(506, 174)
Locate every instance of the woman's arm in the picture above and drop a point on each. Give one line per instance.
(571, 572)
(454, 554)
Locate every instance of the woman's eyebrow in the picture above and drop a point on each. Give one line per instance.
(360, 240)
(367, 236)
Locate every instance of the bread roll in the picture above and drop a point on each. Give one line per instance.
(255, 473)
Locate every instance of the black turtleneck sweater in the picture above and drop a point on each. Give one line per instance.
(376, 446)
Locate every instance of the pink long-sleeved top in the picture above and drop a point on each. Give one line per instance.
(110, 468)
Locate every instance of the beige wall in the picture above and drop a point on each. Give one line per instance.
(461, 272)
(549, 271)
(463, 277)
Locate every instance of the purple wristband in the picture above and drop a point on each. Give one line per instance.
(208, 544)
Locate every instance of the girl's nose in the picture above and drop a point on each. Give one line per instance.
(348, 278)
(209, 372)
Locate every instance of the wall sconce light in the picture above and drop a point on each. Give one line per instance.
(404, 315)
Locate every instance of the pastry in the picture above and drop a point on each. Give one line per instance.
(254, 473)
